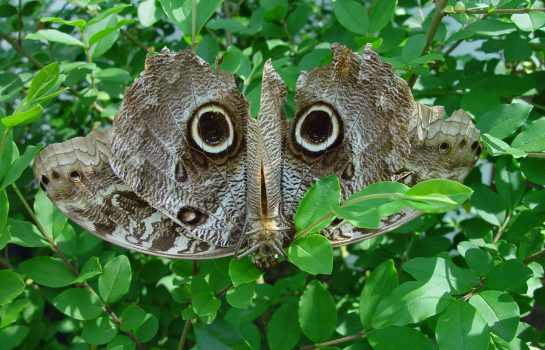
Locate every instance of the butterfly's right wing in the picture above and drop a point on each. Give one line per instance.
(77, 177)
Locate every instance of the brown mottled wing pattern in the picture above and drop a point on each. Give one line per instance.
(356, 119)
(178, 142)
(77, 177)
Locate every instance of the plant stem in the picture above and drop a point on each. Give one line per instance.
(496, 11)
(335, 341)
(536, 155)
(534, 257)
(185, 332)
(502, 228)
(21, 50)
(113, 316)
(134, 40)
(193, 24)
(434, 26)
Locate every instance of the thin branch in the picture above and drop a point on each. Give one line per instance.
(193, 25)
(185, 332)
(502, 228)
(21, 50)
(472, 292)
(495, 11)
(536, 155)
(224, 290)
(335, 341)
(227, 15)
(71, 267)
(457, 43)
(135, 40)
(434, 26)
(534, 257)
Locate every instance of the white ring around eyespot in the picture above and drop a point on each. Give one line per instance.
(322, 146)
(220, 147)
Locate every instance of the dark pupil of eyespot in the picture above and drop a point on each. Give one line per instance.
(213, 127)
(45, 180)
(74, 176)
(444, 146)
(317, 126)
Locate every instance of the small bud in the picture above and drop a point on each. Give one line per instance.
(459, 7)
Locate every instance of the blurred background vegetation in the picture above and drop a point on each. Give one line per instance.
(472, 279)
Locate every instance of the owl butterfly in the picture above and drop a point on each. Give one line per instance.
(185, 172)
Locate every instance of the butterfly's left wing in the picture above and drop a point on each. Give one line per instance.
(77, 177)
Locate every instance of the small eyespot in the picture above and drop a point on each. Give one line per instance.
(190, 216)
(55, 175)
(478, 151)
(45, 180)
(463, 143)
(474, 145)
(444, 147)
(74, 176)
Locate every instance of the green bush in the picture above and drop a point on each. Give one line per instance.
(470, 279)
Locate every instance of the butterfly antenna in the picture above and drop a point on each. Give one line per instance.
(249, 251)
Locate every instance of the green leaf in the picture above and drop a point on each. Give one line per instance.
(317, 312)
(377, 286)
(411, 302)
(42, 82)
(499, 310)
(413, 48)
(461, 327)
(312, 254)
(532, 168)
(316, 205)
(444, 274)
(13, 336)
(534, 200)
(132, 318)
(364, 210)
(11, 287)
(79, 304)
(503, 120)
(437, 195)
(352, 15)
(284, 318)
(80, 23)
(107, 13)
(491, 26)
(219, 335)
(179, 12)
(529, 22)
(488, 204)
(47, 271)
(91, 269)
(396, 337)
(532, 242)
(148, 329)
(531, 138)
(241, 296)
(149, 13)
(6, 150)
(205, 304)
(99, 331)
(497, 147)
(53, 35)
(22, 118)
(243, 271)
(508, 275)
(509, 181)
(25, 234)
(20, 165)
(113, 75)
(381, 13)
(115, 279)
(479, 261)
(51, 218)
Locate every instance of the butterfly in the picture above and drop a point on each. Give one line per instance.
(185, 172)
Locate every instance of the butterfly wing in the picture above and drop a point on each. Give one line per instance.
(178, 142)
(77, 177)
(356, 119)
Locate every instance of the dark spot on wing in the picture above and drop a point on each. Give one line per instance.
(191, 216)
(180, 173)
(55, 175)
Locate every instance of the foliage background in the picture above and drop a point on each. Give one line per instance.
(471, 279)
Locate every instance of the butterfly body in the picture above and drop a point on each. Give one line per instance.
(186, 172)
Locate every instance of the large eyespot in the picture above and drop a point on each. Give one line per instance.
(318, 129)
(211, 129)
